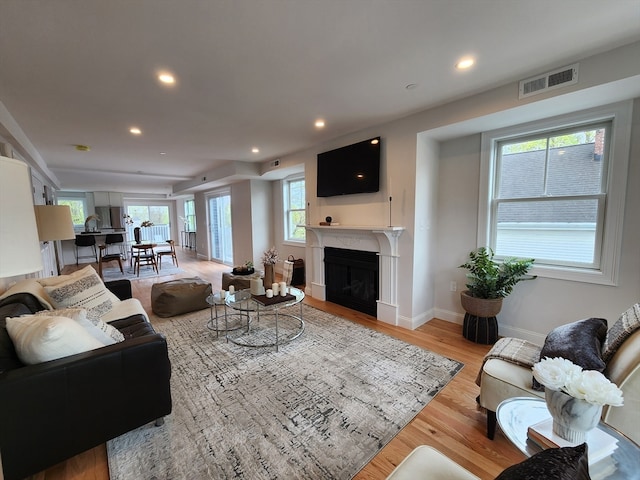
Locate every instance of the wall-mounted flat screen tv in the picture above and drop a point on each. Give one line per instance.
(351, 169)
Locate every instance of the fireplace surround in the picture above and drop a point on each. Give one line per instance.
(383, 241)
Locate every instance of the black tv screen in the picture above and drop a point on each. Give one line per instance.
(351, 169)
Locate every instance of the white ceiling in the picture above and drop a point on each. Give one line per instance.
(260, 72)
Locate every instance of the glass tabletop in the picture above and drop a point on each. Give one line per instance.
(516, 415)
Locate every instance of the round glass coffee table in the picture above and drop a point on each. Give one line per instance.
(270, 322)
(516, 415)
(231, 321)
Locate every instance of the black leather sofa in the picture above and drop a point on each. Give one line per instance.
(54, 410)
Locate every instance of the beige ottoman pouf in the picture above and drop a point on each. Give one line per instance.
(179, 296)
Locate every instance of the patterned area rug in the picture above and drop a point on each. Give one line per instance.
(320, 408)
(113, 273)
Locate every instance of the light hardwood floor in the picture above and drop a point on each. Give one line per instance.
(450, 422)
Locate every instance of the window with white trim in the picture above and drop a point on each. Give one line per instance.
(554, 190)
(294, 209)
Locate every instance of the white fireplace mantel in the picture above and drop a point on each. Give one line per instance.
(380, 239)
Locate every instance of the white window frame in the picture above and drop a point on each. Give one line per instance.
(287, 207)
(620, 115)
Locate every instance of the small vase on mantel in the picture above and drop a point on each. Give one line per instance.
(269, 277)
(572, 417)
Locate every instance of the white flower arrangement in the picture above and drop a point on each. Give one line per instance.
(270, 256)
(588, 385)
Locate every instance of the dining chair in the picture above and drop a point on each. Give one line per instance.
(106, 257)
(143, 254)
(167, 252)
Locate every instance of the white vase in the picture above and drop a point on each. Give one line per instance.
(572, 417)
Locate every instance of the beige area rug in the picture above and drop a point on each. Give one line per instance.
(320, 408)
(114, 273)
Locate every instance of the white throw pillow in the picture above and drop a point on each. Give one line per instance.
(82, 289)
(42, 338)
(104, 333)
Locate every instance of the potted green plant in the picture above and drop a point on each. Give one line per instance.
(490, 281)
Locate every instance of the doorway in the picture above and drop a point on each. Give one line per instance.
(220, 231)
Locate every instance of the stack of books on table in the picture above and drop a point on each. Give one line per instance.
(600, 444)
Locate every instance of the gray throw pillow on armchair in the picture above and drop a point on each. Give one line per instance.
(581, 342)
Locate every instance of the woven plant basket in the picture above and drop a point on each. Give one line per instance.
(480, 307)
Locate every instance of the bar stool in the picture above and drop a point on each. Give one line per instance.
(86, 241)
(116, 239)
(108, 257)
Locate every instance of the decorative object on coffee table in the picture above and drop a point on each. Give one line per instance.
(574, 396)
(246, 269)
(269, 259)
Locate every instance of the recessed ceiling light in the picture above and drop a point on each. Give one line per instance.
(374, 141)
(255, 150)
(166, 78)
(319, 123)
(163, 153)
(135, 131)
(464, 63)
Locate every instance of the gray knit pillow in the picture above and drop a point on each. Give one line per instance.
(628, 323)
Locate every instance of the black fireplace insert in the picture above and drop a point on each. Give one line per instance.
(351, 279)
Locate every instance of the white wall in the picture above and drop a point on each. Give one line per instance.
(262, 215)
(442, 198)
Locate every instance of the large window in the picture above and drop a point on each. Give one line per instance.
(554, 191)
(294, 209)
(158, 215)
(78, 209)
(190, 216)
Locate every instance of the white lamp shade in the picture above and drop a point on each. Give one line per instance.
(54, 222)
(19, 245)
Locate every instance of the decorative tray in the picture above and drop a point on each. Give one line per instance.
(264, 300)
(237, 271)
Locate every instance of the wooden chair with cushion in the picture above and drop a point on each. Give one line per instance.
(171, 252)
(106, 257)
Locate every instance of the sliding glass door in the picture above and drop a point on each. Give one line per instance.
(220, 227)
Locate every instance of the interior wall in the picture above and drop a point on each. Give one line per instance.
(457, 212)
(458, 183)
(423, 291)
(535, 307)
(262, 215)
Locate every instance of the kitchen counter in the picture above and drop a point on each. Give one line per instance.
(69, 246)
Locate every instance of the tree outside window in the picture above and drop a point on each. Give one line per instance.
(295, 212)
(78, 210)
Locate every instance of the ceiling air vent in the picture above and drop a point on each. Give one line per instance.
(549, 81)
